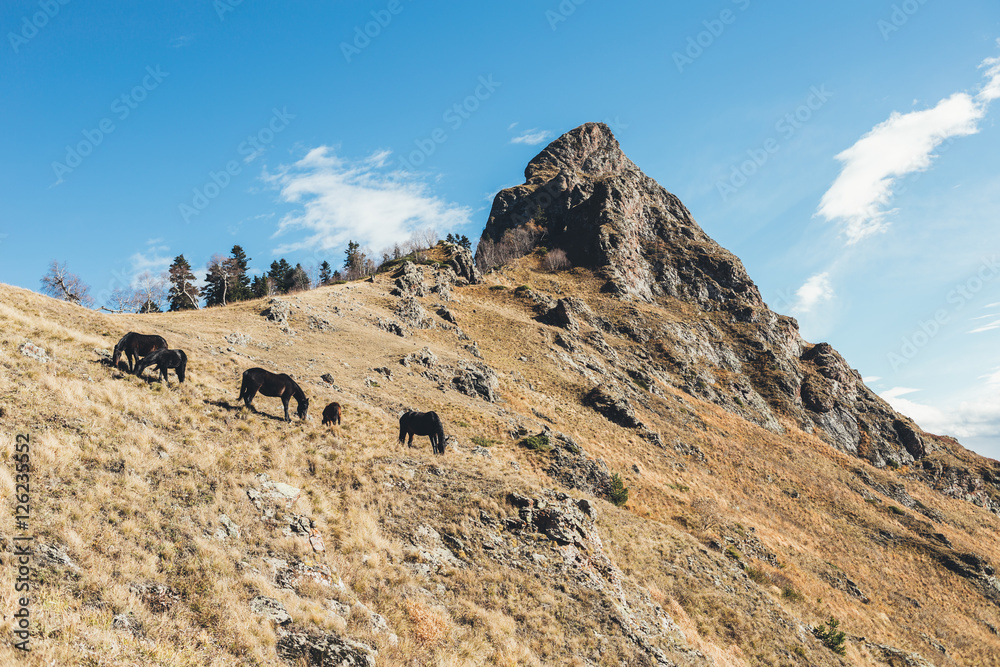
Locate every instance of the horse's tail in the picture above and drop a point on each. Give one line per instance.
(439, 431)
(183, 365)
(402, 427)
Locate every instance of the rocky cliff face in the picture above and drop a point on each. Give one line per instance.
(721, 342)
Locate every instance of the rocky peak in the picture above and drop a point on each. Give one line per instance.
(584, 196)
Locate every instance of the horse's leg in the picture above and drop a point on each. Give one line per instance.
(251, 392)
(284, 401)
(411, 440)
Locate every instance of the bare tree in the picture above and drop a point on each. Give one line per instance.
(62, 284)
(150, 289)
(122, 300)
(428, 237)
(556, 260)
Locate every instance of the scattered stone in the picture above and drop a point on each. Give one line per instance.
(409, 281)
(424, 358)
(127, 621)
(477, 381)
(324, 650)
(464, 266)
(270, 609)
(326, 377)
(392, 327)
(319, 323)
(227, 529)
(32, 351)
(52, 554)
(481, 451)
(446, 315)
(278, 311)
(612, 403)
(410, 312)
(157, 597)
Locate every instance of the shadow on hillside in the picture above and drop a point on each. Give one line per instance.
(239, 406)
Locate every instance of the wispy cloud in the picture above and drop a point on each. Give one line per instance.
(969, 419)
(868, 379)
(155, 259)
(987, 327)
(531, 137)
(901, 145)
(358, 200)
(815, 291)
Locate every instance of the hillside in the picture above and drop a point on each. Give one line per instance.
(174, 527)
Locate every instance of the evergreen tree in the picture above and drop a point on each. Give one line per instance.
(183, 294)
(464, 242)
(150, 307)
(220, 278)
(281, 274)
(299, 279)
(260, 287)
(240, 286)
(451, 238)
(325, 275)
(353, 260)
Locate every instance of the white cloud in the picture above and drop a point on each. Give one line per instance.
(363, 201)
(901, 145)
(531, 137)
(813, 292)
(871, 378)
(987, 327)
(969, 419)
(155, 259)
(993, 378)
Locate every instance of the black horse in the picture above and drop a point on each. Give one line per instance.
(164, 359)
(273, 384)
(422, 423)
(135, 345)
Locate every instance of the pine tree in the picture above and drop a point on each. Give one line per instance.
(281, 274)
(325, 275)
(183, 294)
(240, 287)
(150, 307)
(260, 287)
(451, 238)
(220, 278)
(465, 242)
(353, 260)
(299, 279)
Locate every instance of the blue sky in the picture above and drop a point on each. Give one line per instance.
(847, 152)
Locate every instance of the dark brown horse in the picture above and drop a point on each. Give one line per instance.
(422, 423)
(136, 345)
(273, 384)
(164, 359)
(331, 415)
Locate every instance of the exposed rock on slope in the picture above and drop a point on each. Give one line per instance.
(721, 342)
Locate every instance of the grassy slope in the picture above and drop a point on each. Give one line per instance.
(131, 476)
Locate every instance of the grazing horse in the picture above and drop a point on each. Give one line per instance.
(422, 423)
(135, 345)
(164, 359)
(273, 384)
(331, 415)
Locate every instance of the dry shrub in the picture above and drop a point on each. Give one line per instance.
(428, 626)
(556, 260)
(707, 514)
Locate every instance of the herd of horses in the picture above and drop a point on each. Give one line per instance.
(142, 351)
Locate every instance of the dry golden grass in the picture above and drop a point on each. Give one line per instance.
(130, 477)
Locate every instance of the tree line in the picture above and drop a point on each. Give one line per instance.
(228, 278)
